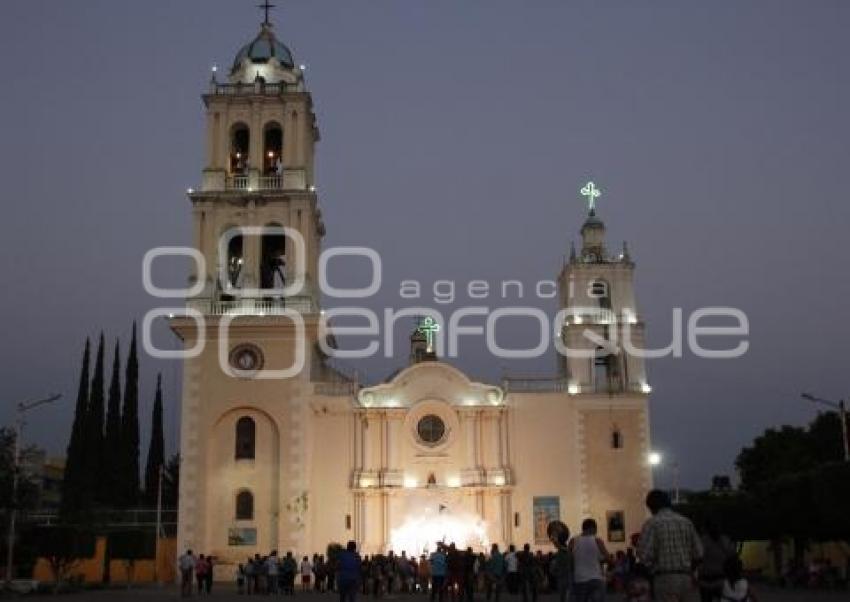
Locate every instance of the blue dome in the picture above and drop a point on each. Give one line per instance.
(262, 49)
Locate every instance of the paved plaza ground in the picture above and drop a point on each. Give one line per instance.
(226, 593)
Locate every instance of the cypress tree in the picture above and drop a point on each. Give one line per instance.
(72, 485)
(156, 450)
(130, 428)
(94, 464)
(112, 443)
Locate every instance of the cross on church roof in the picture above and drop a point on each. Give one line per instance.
(429, 328)
(266, 6)
(591, 192)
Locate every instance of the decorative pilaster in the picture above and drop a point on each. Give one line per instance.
(191, 532)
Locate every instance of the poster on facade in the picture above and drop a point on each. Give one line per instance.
(545, 509)
(616, 527)
(237, 536)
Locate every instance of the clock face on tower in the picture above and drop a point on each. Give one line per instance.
(246, 358)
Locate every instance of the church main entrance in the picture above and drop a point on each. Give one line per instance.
(439, 515)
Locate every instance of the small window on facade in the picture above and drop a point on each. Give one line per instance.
(244, 505)
(616, 439)
(245, 438)
(601, 371)
(616, 526)
(600, 291)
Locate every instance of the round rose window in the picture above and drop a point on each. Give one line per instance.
(431, 429)
(246, 358)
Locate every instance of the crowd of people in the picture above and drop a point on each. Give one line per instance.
(667, 561)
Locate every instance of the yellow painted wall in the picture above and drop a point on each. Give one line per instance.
(757, 555)
(91, 569)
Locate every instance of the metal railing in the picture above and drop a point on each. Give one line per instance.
(266, 89)
(271, 182)
(535, 384)
(237, 183)
(291, 179)
(545, 384)
(251, 306)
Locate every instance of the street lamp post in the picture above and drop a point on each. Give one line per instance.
(22, 408)
(676, 491)
(841, 407)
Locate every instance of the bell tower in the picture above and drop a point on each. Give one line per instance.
(261, 133)
(597, 294)
(604, 378)
(253, 324)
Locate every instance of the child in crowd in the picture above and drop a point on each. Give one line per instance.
(735, 587)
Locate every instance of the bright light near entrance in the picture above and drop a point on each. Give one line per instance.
(453, 482)
(420, 533)
(410, 482)
(654, 458)
(645, 388)
(572, 389)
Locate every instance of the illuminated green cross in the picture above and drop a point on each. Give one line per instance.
(591, 192)
(429, 328)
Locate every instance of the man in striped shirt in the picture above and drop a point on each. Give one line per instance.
(670, 547)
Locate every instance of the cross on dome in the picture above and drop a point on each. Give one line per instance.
(266, 6)
(429, 328)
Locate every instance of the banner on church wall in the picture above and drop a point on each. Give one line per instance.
(545, 509)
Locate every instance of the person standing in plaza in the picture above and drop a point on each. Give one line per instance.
(494, 573)
(716, 550)
(588, 553)
(288, 568)
(348, 573)
(511, 569)
(186, 564)
(306, 573)
(424, 574)
(527, 573)
(439, 568)
(455, 577)
(670, 547)
(561, 566)
(272, 568)
(469, 577)
(200, 572)
(208, 576)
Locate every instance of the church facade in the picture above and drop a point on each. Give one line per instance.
(296, 462)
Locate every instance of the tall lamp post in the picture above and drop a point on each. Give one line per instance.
(841, 407)
(22, 408)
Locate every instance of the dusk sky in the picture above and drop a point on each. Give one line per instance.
(455, 137)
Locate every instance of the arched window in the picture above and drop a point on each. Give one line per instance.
(272, 149)
(246, 434)
(240, 140)
(272, 259)
(234, 259)
(244, 505)
(606, 374)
